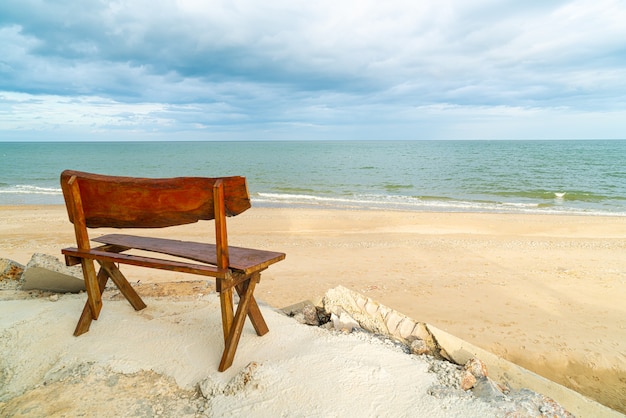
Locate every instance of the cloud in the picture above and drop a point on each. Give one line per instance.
(280, 69)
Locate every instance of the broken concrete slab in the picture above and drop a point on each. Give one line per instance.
(379, 319)
(46, 272)
(10, 273)
(10, 270)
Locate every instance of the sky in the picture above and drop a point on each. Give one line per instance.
(93, 70)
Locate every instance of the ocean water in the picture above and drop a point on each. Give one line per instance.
(573, 177)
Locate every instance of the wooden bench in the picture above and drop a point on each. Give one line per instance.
(95, 201)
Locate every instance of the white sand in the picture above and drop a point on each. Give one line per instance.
(297, 370)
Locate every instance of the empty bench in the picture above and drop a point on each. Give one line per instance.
(95, 201)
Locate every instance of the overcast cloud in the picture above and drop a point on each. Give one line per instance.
(295, 69)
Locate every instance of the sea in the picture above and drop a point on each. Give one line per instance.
(582, 177)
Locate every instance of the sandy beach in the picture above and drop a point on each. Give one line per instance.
(545, 292)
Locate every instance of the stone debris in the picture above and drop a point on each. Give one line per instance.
(344, 322)
(308, 315)
(468, 380)
(379, 319)
(209, 388)
(46, 272)
(449, 375)
(488, 389)
(309, 312)
(476, 367)
(246, 377)
(10, 272)
(343, 310)
(419, 347)
(475, 374)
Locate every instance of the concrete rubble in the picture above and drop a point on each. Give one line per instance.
(47, 273)
(458, 364)
(10, 270)
(357, 310)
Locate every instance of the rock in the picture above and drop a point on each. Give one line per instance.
(322, 315)
(468, 380)
(292, 310)
(344, 322)
(379, 319)
(476, 367)
(339, 300)
(421, 332)
(10, 270)
(419, 347)
(209, 387)
(447, 374)
(309, 313)
(242, 379)
(488, 390)
(299, 317)
(45, 272)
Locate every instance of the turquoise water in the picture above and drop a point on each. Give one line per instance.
(576, 177)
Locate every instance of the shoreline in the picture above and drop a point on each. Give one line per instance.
(369, 206)
(543, 291)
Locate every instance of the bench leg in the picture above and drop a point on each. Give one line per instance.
(230, 344)
(122, 284)
(94, 297)
(86, 317)
(108, 270)
(226, 303)
(254, 313)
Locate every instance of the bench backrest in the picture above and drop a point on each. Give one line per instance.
(129, 202)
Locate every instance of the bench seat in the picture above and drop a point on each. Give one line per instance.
(244, 260)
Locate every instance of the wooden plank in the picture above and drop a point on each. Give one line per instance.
(150, 262)
(230, 345)
(122, 284)
(227, 309)
(246, 260)
(130, 202)
(82, 239)
(254, 312)
(84, 322)
(72, 261)
(76, 212)
(221, 237)
(94, 296)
